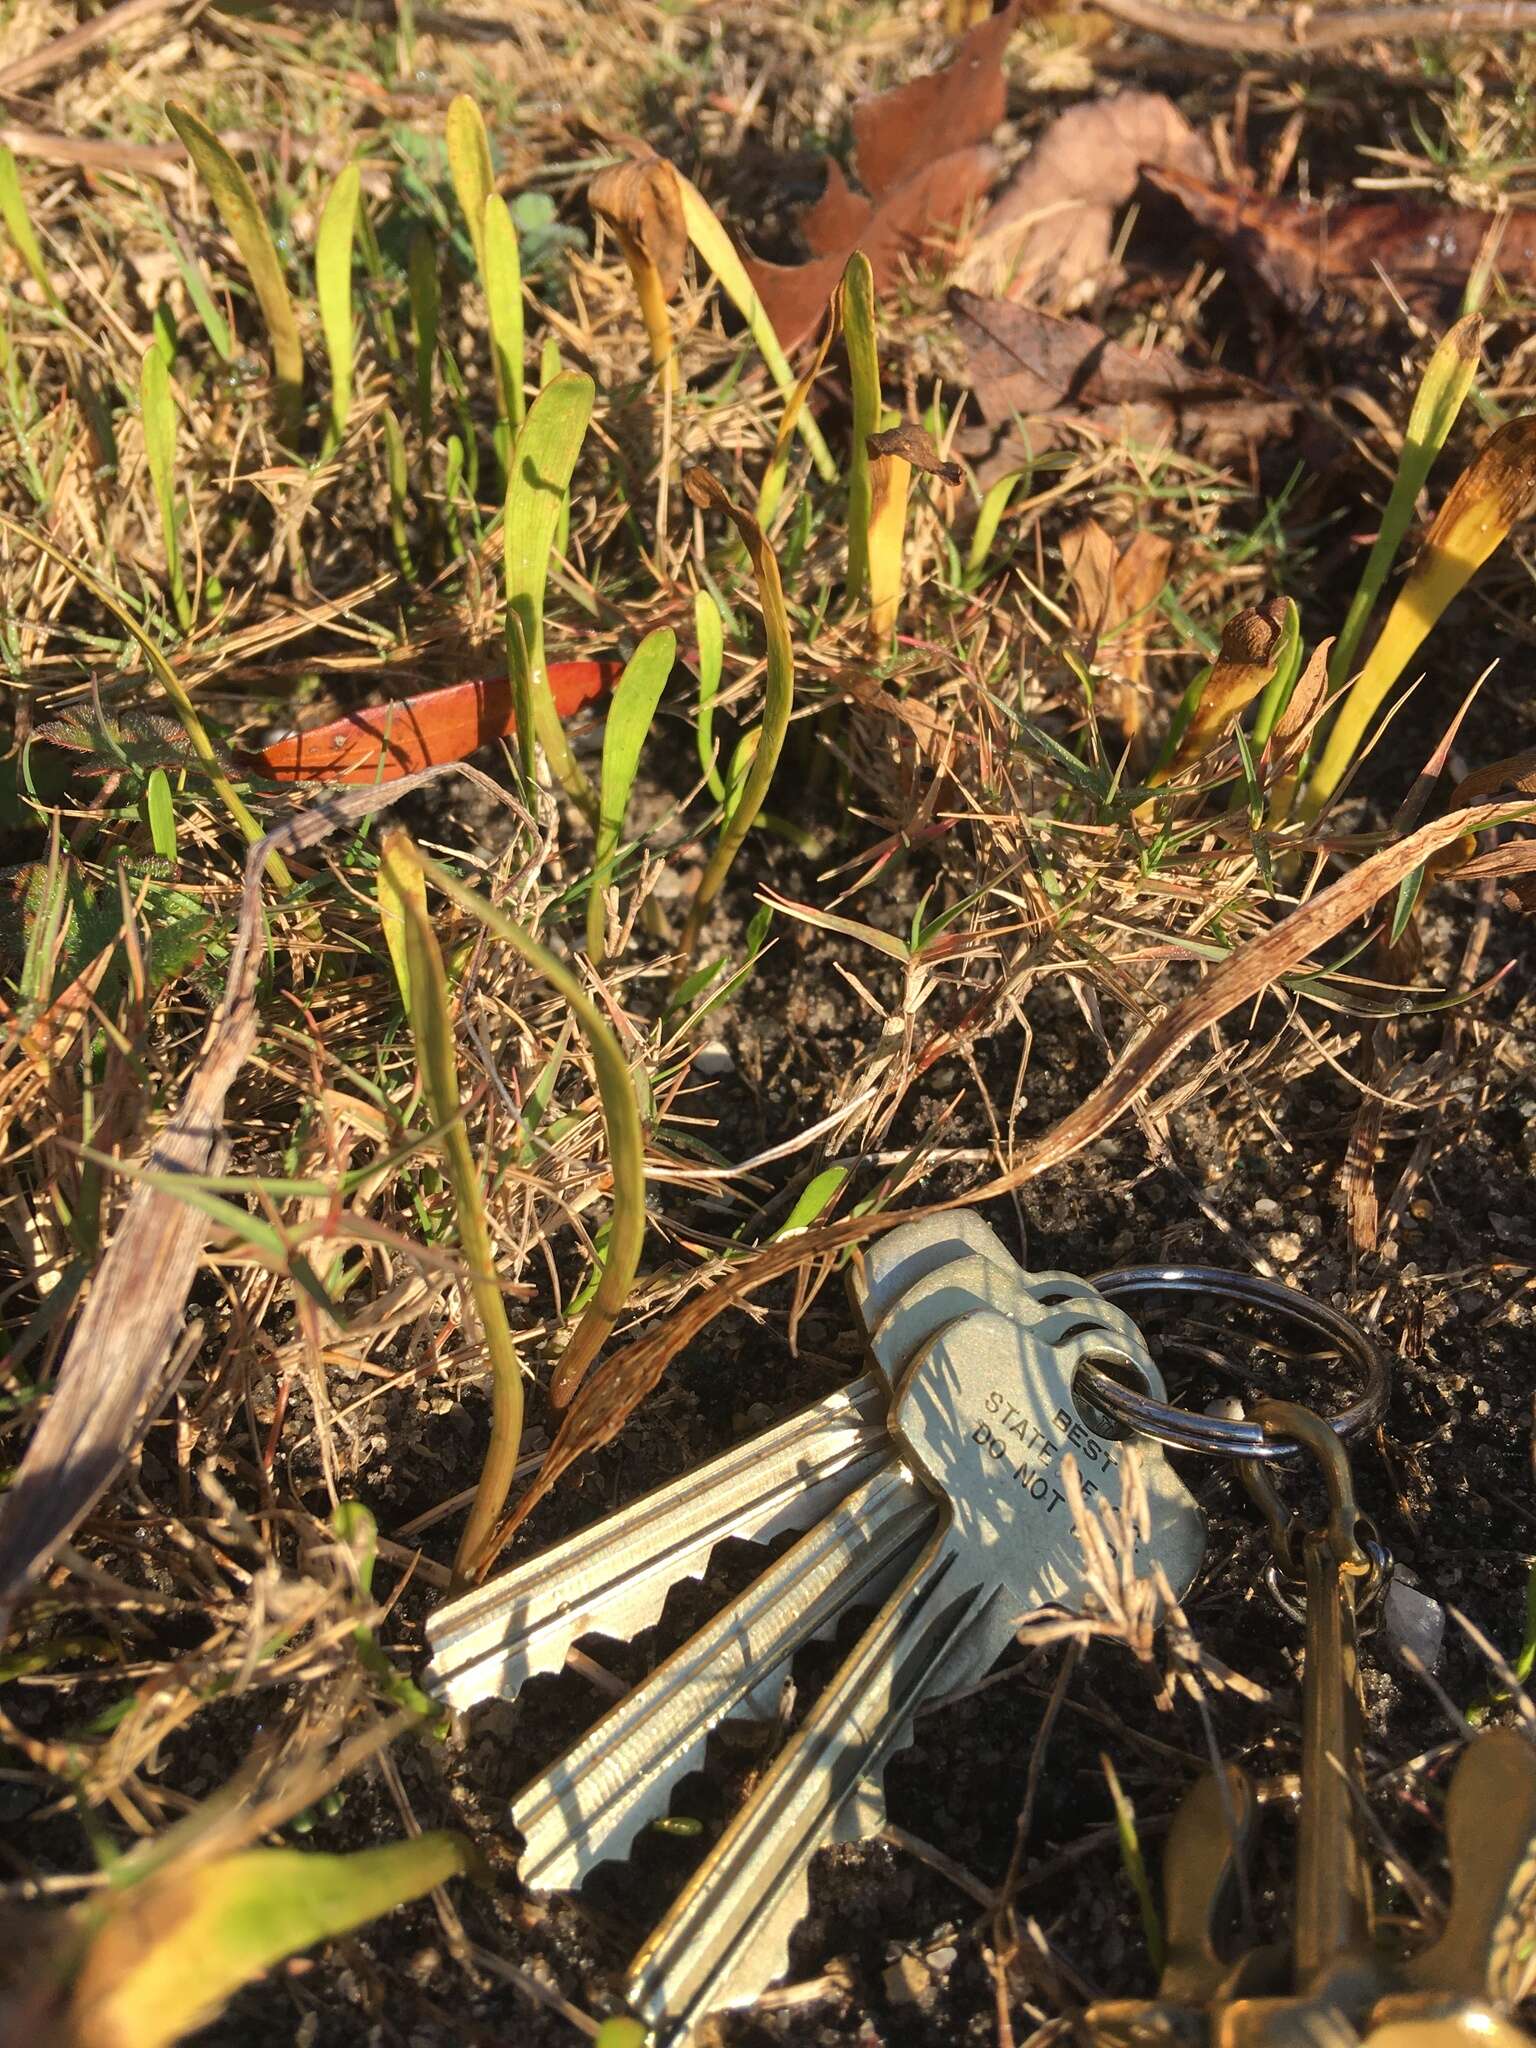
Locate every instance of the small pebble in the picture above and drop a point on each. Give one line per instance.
(1412, 1620)
(1285, 1246)
(1267, 1207)
(713, 1058)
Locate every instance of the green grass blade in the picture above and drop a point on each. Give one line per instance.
(333, 288)
(426, 313)
(778, 701)
(157, 405)
(539, 475)
(710, 631)
(621, 1117)
(431, 1020)
(162, 814)
(397, 473)
(18, 223)
(630, 716)
(469, 166)
(504, 301)
(864, 385)
(1448, 379)
(240, 213)
(988, 519)
(164, 1956)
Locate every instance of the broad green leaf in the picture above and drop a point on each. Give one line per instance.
(243, 217)
(431, 1020)
(630, 715)
(1439, 400)
(858, 297)
(162, 814)
(18, 222)
(333, 287)
(469, 165)
(539, 474)
(162, 1957)
(504, 302)
(710, 632)
(157, 404)
(814, 1199)
(621, 1118)
(426, 310)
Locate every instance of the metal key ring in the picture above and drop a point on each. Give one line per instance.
(1213, 1436)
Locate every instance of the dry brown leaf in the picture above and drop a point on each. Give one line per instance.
(1053, 222)
(1113, 592)
(1035, 366)
(641, 203)
(915, 445)
(1311, 688)
(1295, 250)
(921, 154)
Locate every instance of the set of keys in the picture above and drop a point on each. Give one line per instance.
(932, 1489)
(931, 1486)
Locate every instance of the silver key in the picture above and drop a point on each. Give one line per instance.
(986, 1413)
(614, 1577)
(590, 1803)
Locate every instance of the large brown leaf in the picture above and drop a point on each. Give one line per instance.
(1030, 365)
(1414, 244)
(1054, 219)
(921, 155)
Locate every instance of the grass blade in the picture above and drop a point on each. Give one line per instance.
(539, 475)
(402, 889)
(18, 222)
(243, 217)
(642, 204)
(710, 632)
(630, 715)
(469, 166)
(163, 1956)
(397, 474)
(858, 298)
(1496, 490)
(778, 700)
(333, 287)
(161, 812)
(426, 312)
(157, 405)
(714, 246)
(1440, 397)
(626, 1142)
(504, 301)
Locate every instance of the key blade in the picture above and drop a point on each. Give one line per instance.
(614, 1577)
(727, 1936)
(591, 1804)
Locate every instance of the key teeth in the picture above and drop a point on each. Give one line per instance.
(567, 1860)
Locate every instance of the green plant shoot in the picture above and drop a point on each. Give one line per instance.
(504, 301)
(1439, 400)
(18, 223)
(402, 901)
(426, 312)
(864, 384)
(157, 405)
(709, 630)
(470, 167)
(778, 701)
(160, 1958)
(630, 716)
(626, 1140)
(243, 217)
(333, 288)
(539, 475)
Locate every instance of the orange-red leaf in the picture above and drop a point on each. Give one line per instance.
(386, 741)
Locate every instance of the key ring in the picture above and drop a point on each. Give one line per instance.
(1214, 1436)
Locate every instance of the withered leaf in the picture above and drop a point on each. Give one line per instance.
(1032, 364)
(641, 203)
(1295, 250)
(1055, 216)
(921, 154)
(915, 445)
